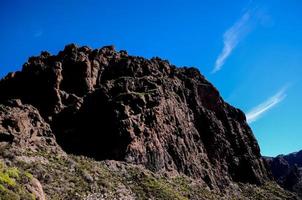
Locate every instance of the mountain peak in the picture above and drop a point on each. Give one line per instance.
(108, 105)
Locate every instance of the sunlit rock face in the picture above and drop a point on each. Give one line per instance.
(23, 129)
(108, 105)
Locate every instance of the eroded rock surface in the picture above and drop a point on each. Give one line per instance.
(23, 132)
(22, 127)
(109, 105)
(287, 170)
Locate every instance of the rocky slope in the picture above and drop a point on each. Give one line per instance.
(287, 170)
(107, 105)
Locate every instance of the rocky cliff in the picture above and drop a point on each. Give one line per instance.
(287, 170)
(108, 105)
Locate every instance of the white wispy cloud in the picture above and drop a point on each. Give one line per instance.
(231, 38)
(259, 110)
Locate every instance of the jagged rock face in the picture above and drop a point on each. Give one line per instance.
(109, 105)
(22, 126)
(287, 170)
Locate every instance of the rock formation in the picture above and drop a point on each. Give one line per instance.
(287, 170)
(23, 127)
(22, 130)
(109, 105)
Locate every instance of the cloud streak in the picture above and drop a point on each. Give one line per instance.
(231, 38)
(262, 108)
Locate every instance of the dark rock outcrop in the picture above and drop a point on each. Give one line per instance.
(109, 105)
(287, 170)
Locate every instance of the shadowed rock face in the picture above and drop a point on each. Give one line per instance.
(109, 105)
(287, 170)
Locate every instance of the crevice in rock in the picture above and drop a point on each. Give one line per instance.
(6, 137)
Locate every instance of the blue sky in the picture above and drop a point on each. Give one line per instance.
(250, 50)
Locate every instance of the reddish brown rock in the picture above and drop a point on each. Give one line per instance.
(109, 105)
(22, 128)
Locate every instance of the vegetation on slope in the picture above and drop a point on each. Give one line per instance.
(14, 183)
(77, 177)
